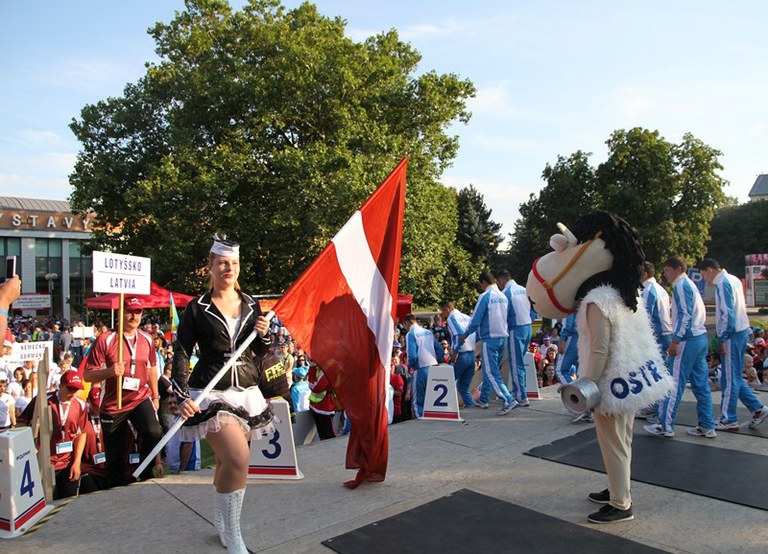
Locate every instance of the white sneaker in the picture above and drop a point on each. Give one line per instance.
(725, 425)
(508, 407)
(758, 417)
(699, 432)
(658, 430)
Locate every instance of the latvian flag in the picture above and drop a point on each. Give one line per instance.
(341, 311)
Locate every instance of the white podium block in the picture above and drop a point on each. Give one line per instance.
(274, 455)
(22, 500)
(531, 382)
(441, 402)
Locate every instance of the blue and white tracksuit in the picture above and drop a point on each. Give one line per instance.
(464, 366)
(690, 364)
(656, 302)
(732, 329)
(519, 327)
(568, 356)
(489, 320)
(421, 347)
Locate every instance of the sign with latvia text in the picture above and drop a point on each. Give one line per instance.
(121, 273)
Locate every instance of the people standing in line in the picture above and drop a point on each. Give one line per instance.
(520, 333)
(489, 319)
(656, 301)
(687, 353)
(140, 397)
(422, 349)
(732, 329)
(462, 354)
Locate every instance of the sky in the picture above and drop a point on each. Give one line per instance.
(552, 77)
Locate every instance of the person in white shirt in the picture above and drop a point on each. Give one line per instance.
(7, 406)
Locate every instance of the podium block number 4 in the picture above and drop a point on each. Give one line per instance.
(27, 484)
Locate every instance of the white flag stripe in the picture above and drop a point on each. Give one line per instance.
(366, 283)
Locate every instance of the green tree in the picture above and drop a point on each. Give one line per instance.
(737, 231)
(478, 233)
(667, 192)
(272, 126)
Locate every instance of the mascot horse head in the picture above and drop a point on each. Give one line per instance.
(601, 248)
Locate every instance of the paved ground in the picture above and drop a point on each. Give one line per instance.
(427, 461)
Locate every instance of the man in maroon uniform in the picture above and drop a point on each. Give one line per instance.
(67, 437)
(93, 463)
(140, 398)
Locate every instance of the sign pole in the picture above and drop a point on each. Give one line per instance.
(120, 351)
(43, 418)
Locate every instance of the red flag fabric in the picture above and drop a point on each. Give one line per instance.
(341, 311)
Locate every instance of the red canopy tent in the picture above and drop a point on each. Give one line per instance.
(158, 297)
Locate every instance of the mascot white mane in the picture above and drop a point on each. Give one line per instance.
(600, 262)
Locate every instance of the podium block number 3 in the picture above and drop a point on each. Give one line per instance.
(275, 444)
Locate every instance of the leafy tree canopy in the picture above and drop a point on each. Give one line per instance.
(737, 231)
(668, 193)
(272, 126)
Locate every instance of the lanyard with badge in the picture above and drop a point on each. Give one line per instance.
(64, 446)
(100, 457)
(132, 383)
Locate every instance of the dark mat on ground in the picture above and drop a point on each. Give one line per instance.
(674, 464)
(467, 521)
(686, 415)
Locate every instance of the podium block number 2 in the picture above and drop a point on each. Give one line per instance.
(443, 390)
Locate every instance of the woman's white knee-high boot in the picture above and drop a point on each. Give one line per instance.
(231, 504)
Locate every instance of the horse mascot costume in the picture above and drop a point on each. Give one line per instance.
(594, 271)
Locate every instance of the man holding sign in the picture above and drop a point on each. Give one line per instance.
(140, 397)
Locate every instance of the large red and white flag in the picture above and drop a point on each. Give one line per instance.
(341, 311)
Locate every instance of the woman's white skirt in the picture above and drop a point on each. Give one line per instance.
(245, 408)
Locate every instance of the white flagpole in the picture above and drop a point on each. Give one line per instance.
(202, 396)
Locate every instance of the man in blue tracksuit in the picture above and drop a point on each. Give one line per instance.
(732, 329)
(462, 355)
(421, 348)
(656, 301)
(519, 328)
(568, 356)
(489, 319)
(687, 354)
